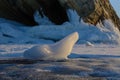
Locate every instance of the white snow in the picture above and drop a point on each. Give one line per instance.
(57, 51)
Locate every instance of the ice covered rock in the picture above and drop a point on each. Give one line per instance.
(57, 51)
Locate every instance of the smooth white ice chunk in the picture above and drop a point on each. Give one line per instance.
(89, 44)
(57, 51)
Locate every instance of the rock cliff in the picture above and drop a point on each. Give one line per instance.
(18, 10)
(91, 11)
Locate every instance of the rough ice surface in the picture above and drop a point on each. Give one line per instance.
(105, 33)
(85, 62)
(42, 20)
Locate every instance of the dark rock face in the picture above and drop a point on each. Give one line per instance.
(18, 10)
(54, 11)
(23, 10)
(91, 11)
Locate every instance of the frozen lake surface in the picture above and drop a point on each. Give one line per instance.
(99, 62)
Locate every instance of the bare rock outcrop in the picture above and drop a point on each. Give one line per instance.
(23, 10)
(91, 11)
(18, 10)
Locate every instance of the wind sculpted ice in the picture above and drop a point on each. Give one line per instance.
(57, 51)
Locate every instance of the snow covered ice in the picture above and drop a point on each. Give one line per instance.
(99, 61)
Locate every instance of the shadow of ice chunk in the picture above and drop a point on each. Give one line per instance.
(2, 50)
(64, 70)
